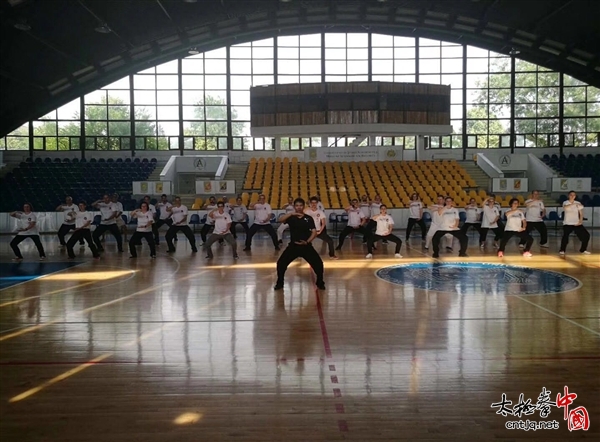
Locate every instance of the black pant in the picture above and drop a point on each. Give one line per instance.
(540, 226)
(113, 229)
(206, 229)
(483, 231)
(14, 244)
(137, 238)
(244, 225)
(582, 234)
(349, 229)
(80, 235)
(462, 238)
(267, 228)
(172, 233)
(64, 229)
(371, 227)
(157, 225)
(308, 253)
(323, 236)
(391, 237)
(525, 238)
(465, 227)
(411, 224)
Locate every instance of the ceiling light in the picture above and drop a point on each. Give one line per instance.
(103, 28)
(193, 51)
(514, 51)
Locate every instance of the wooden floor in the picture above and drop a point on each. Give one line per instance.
(181, 349)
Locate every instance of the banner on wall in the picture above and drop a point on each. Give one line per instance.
(214, 187)
(567, 184)
(151, 187)
(510, 185)
(369, 153)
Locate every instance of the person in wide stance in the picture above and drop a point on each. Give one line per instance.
(516, 225)
(320, 221)
(108, 212)
(534, 215)
(302, 234)
(83, 221)
(27, 228)
(449, 225)
(384, 224)
(262, 221)
(179, 223)
(356, 223)
(221, 230)
(415, 216)
(70, 210)
(145, 219)
(573, 222)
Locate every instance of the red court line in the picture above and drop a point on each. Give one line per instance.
(323, 326)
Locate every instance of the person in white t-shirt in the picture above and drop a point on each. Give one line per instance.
(289, 208)
(179, 223)
(489, 221)
(145, 219)
(164, 217)
(573, 222)
(209, 225)
(320, 205)
(473, 217)
(83, 222)
(222, 223)
(436, 224)
(70, 210)
(365, 208)
(262, 221)
(415, 216)
(108, 212)
(356, 223)
(320, 221)
(516, 225)
(535, 218)
(383, 230)
(374, 209)
(449, 220)
(239, 215)
(27, 228)
(151, 207)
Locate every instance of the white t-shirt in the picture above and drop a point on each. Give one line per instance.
(436, 219)
(472, 213)
(489, 215)
(24, 220)
(178, 214)
(164, 214)
(239, 213)
(383, 225)
(262, 213)
(209, 209)
(70, 212)
(151, 208)
(355, 217)
(365, 208)
(221, 221)
(514, 221)
(82, 219)
(107, 210)
(572, 212)
(289, 208)
(534, 210)
(119, 207)
(375, 208)
(415, 209)
(317, 216)
(143, 219)
(320, 206)
(449, 217)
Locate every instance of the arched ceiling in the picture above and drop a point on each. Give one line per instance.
(62, 55)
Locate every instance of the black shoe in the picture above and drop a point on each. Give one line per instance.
(321, 285)
(435, 255)
(449, 249)
(171, 251)
(277, 248)
(121, 251)
(194, 250)
(133, 257)
(208, 257)
(280, 241)
(384, 241)
(152, 256)
(247, 249)
(175, 239)
(278, 286)
(236, 256)
(338, 248)
(463, 255)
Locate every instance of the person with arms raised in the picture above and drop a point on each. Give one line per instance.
(27, 228)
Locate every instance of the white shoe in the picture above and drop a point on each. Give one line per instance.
(369, 256)
(585, 252)
(398, 255)
(544, 246)
(561, 253)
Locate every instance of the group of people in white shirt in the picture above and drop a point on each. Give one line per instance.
(369, 218)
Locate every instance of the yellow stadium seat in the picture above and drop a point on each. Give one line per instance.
(197, 204)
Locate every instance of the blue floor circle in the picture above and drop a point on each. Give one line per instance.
(468, 278)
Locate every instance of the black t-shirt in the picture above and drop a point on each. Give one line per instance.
(300, 228)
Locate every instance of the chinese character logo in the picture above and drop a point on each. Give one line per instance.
(578, 418)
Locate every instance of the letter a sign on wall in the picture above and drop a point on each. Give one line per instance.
(504, 161)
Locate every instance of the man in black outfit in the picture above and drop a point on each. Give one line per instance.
(302, 233)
